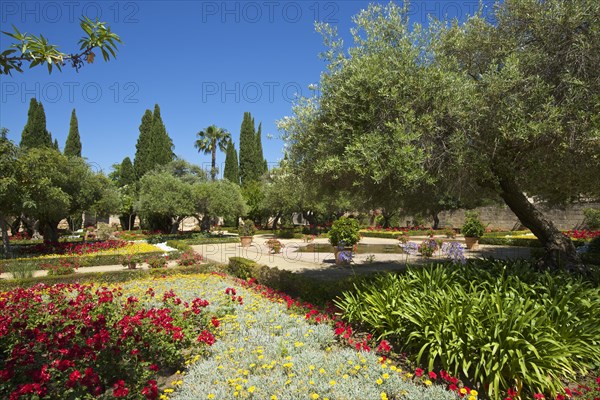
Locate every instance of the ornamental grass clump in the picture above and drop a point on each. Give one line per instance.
(500, 324)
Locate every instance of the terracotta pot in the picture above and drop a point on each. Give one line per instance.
(246, 241)
(472, 243)
(338, 255)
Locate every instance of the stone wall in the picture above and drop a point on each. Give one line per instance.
(501, 217)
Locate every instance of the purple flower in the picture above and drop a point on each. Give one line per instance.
(455, 252)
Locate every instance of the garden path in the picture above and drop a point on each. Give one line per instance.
(323, 264)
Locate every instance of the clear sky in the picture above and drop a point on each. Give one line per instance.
(203, 62)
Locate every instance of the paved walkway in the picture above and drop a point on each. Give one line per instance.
(82, 270)
(323, 264)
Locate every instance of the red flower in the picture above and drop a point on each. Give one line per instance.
(419, 372)
(215, 322)
(432, 375)
(119, 389)
(384, 347)
(538, 396)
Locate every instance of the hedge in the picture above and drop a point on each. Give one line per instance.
(84, 261)
(108, 277)
(316, 291)
(522, 242)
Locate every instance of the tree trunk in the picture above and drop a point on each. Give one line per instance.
(386, 218)
(213, 169)
(560, 251)
(5, 240)
(175, 225)
(15, 226)
(276, 221)
(50, 231)
(312, 221)
(436, 220)
(205, 224)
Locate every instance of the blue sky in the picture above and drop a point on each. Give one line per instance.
(204, 63)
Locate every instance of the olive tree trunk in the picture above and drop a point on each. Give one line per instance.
(560, 250)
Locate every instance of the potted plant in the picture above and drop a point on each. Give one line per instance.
(246, 231)
(343, 236)
(131, 261)
(274, 246)
(472, 230)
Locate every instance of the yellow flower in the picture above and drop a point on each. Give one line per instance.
(379, 381)
(474, 392)
(384, 396)
(251, 389)
(322, 371)
(386, 376)
(210, 396)
(314, 396)
(428, 382)
(273, 397)
(463, 391)
(332, 382)
(472, 398)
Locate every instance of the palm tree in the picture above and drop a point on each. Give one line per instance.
(209, 140)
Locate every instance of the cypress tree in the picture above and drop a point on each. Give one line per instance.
(126, 173)
(142, 162)
(162, 145)
(73, 143)
(247, 149)
(231, 171)
(35, 133)
(55, 145)
(260, 159)
(154, 146)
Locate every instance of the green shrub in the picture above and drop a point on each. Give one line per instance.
(247, 229)
(592, 218)
(472, 226)
(344, 230)
(22, 270)
(494, 322)
(179, 245)
(288, 234)
(156, 262)
(380, 234)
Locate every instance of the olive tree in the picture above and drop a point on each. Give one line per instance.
(508, 107)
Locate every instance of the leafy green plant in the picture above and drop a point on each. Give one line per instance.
(592, 218)
(472, 226)
(503, 325)
(344, 230)
(156, 262)
(22, 270)
(248, 229)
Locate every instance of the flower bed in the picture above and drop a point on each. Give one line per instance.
(267, 348)
(75, 341)
(108, 256)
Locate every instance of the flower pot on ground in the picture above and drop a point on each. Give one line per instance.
(343, 236)
(274, 246)
(131, 261)
(246, 232)
(343, 255)
(472, 230)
